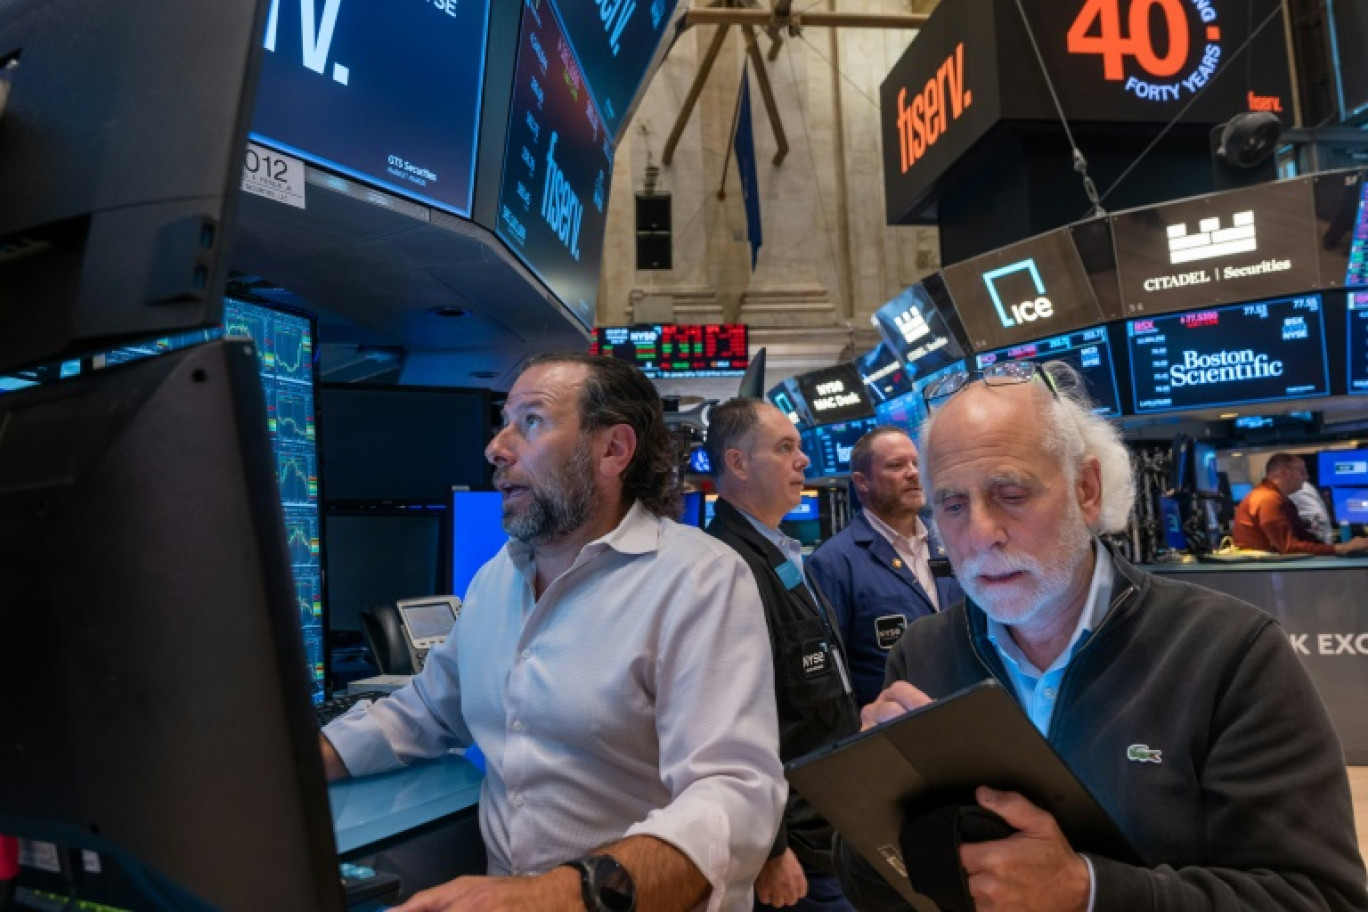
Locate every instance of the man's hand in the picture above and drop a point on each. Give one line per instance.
(896, 699)
(557, 890)
(1356, 545)
(781, 881)
(1034, 870)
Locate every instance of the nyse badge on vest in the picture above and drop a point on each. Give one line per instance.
(888, 628)
(816, 659)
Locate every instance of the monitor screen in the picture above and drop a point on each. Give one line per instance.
(558, 164)
(787, 398)
(402, 443)
(1356, 318)
(885, 376)
(1257, 242)
(693, 509)
(1088, 351)
(381, 556)
(1351, 504)
(477, 534)
(1206, 479)
(1172, 518)
(916, 332)
(1023, 291)
(808, 508)
(615, 43)
(1240, 491)
(122, 150)
(388, 93)
(428, 621)
(677, 349)
(285, 361)
(835, 394)
(699, 463)
(832, 445)
(152, 653)
(1229, 355)
(1342, 467)
(907, 411)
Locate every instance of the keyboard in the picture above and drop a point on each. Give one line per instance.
(330, 709)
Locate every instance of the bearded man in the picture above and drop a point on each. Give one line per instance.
(1185, 712)
(611, 664)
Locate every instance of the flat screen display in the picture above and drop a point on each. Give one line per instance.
(1087, 350)
(884, 374)
(916, 332)
(1023, 291)
(1341, 229)
(1351, 504)
(1245, 245)
(1342, 467)
(907, 411)
(787, 398)
(1229, 355)
(385, 92)
(615, 41)
(558, 163)
(832, 445)
(677, 349)
(835, 394)
(1357, 272)
(477, 534)
(1356, 316)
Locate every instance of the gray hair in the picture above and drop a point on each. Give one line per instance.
(1071, 430)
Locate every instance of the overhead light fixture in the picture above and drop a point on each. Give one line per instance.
(1230, 415)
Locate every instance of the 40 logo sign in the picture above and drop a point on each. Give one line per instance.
(1158, 50)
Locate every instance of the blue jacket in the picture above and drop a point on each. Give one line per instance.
(875, 595)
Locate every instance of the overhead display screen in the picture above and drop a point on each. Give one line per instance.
(677, 350)
(884, 375)
(835, 394)
(1341, 228)
(1229, 355)
(1088, 351)
(788, 400)
(914, 329)
(1357, 316)
(615, 41)
(1258, 242)
(558, 163)
(388, 93)
(832, 445)
(1018, 293)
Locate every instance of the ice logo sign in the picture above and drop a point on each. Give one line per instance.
(316, 35)
(1026, 311)
(561, 206)
(1211, 241)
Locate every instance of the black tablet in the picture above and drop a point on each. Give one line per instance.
(867, 784)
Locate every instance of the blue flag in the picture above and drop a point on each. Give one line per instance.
(744, 146)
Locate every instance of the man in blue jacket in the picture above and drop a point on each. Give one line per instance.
(877, 571)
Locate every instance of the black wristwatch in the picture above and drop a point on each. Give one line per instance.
(605, 884)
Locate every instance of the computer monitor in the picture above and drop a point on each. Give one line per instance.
(378, 556)
(1206, 477)
(692, 514)
(402, 443)
(1351, 505)
(121, 151)
(158, 708)
(476, 523)
(1342, 468)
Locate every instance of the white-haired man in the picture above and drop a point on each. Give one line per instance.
(1239, 798)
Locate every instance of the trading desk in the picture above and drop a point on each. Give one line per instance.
(419, 822)
(1320, 601)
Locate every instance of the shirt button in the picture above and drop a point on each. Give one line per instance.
(518, 801)
(1049, 693)
(517, 725)
(527, 653)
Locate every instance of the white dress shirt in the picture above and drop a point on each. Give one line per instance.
(635, 697)
(914, 550)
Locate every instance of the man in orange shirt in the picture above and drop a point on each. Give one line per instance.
(1266, 520)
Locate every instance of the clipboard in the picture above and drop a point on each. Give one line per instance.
(866, 785)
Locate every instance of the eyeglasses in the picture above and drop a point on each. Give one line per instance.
(1001, 373)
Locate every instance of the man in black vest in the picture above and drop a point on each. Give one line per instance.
(759, 464)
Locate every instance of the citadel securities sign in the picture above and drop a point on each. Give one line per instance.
(1258, 242)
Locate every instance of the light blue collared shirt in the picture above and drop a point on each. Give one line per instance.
(789, 547)
(1037, 690)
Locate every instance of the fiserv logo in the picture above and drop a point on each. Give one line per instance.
(938, 104)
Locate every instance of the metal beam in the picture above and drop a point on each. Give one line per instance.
(695, 90)
(767, 93)
(817, 18)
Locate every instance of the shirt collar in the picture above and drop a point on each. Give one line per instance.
(915, 542)
(638, 533)
(787, 546)
(1094, 610)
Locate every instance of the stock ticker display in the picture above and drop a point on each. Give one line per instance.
(1087, 350)
(1357, 318)
(558, 164)
(677, 350)
(284, 345)
(385, 92)
(1229, 355)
